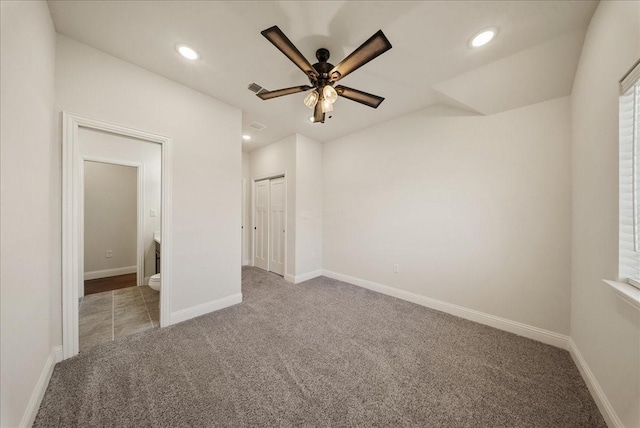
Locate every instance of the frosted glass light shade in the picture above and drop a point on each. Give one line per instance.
(329, 94)
(326, 106)
(311, 99)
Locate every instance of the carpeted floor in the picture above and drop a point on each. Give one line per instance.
(320, 353)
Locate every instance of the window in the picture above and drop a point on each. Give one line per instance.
(629, 235)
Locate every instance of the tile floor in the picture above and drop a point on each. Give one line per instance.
(114, 314)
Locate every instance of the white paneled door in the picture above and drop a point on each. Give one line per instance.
(261, 225)
(269, 227)
(277, 235)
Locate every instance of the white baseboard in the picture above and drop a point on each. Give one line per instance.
(146, 280)
(606, 409)
(110, 272)
(289, 278)
(307, 276)
(246, 262)
(57, 354)
(525, 330)
(33, 405)
(205, 308)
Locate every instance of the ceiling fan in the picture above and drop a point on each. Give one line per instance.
(323, 75)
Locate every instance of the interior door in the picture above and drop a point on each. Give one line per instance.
(261, 225)
(277, 217)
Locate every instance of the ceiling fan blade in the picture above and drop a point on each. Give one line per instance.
(318, 115)
(359, 96)
(375, 46)
(279, 40)
(280, 92)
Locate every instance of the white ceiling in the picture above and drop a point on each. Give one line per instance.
(533, 58)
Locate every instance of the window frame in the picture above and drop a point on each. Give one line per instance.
(629, 176)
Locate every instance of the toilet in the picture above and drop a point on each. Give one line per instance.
(154, 282)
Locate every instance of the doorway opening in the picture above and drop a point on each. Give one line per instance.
(113, 208)
(269, 227)
(98, 158)
(114, 299)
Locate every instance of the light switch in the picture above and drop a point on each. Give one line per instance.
(109, 254)
(153, 213)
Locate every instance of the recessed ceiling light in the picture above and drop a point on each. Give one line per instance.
(483, 37)
(187, 52)
(246, 137)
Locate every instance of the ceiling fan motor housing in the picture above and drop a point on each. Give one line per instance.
(322, 54)
(323, 68)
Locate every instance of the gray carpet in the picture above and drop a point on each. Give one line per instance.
(320, 353)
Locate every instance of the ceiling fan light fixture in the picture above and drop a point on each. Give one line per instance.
(187, 52)
(311, 99)
(312, 119)
(329, 94)
(326, 106)
(483, 37)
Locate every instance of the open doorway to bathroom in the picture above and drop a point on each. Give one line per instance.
(115, 195)
(115, 300)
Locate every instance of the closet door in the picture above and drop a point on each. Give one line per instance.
(277, 220)
(261, 225)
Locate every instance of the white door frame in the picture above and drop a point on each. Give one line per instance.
(139, 209)
(72, 233)
(243, 261)
(282, 174)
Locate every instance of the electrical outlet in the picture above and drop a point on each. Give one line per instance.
(109, 254)
(396, 269)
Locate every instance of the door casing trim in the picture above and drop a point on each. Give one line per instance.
(71, 226)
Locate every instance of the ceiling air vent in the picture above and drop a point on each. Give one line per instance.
(256, 126)
(254, 87)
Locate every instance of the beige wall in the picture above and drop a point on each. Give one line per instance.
(29, 203)
(246, 215)
(474, 210)
(110, 216)
(119, 148)
(605, 329)
(206, 160)
(308, 205)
